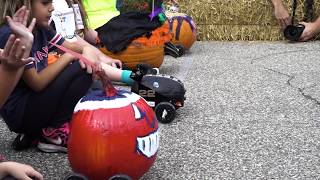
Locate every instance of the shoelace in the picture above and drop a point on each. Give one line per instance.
(2, 158)
(51, 131)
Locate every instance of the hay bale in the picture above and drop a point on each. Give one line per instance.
(229, 20)
(238, 32)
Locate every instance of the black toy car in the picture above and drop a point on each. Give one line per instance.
(75, 176)
(163, 93)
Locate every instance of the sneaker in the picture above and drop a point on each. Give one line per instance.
(2, 158)
(143, 69)
(54, 139)
(22, 142)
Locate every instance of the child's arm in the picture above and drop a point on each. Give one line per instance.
(90, 35)
(15, 54)
(75, 46)
(37, 81)
(18, 25)
(19, 171)
(80, 44)
(40, 80)
(11, 67)
(281, 13)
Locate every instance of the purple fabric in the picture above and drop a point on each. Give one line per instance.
(155, 13)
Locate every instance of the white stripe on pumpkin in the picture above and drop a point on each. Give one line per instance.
(107, 104)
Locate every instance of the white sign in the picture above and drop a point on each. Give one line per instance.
(64, 21)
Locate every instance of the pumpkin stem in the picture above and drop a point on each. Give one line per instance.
(109, 89)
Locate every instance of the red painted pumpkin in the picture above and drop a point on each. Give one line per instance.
(183, 29)
(112, 134)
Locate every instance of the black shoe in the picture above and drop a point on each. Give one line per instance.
(22, 142)
(143, 69)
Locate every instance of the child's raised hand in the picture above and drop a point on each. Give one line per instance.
(18, 25)
(11, 56)
(20, 20)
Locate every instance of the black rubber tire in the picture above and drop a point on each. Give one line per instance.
(120, 177)
(181, 49)
(170, 110)
(75, 176)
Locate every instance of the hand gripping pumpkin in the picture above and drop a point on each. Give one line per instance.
(112, 133)
(183, 29)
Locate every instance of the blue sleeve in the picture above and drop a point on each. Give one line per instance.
(55, 38)
(5, 32)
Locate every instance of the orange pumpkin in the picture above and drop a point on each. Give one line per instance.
(144, 50)
(183, 29)
(113, 132)
(136, 54)
(52, 57)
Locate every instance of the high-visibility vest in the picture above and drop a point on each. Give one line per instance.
(100, 11)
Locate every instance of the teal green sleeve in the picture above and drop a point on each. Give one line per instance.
(100, 12)
(125, 77)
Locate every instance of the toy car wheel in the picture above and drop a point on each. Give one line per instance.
(75, 176)
(181, 50)
(120, 177)
(165, 112)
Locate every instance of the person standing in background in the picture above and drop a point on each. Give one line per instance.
(282, 15)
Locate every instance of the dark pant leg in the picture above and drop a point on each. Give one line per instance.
(42, 106)
(9, 177)
(77, 89)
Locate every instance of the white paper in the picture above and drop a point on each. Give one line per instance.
(64, 21)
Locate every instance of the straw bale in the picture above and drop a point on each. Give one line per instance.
(238, 32)
(238, 19)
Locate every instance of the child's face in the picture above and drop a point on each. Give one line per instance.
(41, 10)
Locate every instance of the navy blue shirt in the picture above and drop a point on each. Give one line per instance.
(13, 109)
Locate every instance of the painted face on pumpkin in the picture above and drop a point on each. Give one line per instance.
(111, 131)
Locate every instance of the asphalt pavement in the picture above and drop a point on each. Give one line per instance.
(252, 112)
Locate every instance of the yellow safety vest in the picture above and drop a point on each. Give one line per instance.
(100, 11)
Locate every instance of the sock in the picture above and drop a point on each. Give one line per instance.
(125, 77)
